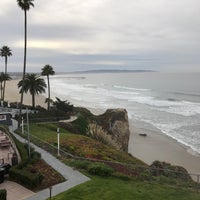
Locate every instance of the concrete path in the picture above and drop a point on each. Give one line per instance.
(15, 191)
(72, 177)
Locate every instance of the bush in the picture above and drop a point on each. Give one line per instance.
(3, 195)
(97, 132)
(63, 105)
(35, 155)
(100, 169)
(79, 126)
(29, 180)
(19, 173)
(158, 168)
(48, 116)
(80, 164)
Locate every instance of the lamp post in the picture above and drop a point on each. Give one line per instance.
(50, 191)
(58, 138)
(29, 150)
(22, 125)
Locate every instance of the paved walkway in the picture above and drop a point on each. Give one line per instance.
(73, 177)
(15, 191)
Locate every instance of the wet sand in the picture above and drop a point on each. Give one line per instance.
(158, 146)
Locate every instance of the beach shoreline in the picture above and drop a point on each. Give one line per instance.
(158, 146)
(155, 146)
(12, 94)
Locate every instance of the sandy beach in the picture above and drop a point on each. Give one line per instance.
(158, 146)
(12, 94)
(155, 146)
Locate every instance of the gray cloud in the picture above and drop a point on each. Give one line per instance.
(132, 34)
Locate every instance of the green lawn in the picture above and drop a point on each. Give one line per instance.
(114, 189)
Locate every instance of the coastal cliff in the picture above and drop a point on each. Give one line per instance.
(113, 126)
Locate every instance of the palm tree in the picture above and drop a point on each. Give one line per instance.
(46, 71)
(3, 77)
(25, 5)
(5, 51)
(33, 84)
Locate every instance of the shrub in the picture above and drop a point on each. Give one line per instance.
(35, 155)
(19, 173)
(158, 168)
(51, 115)
(80, 164)
(80, 125)
(63, 105)
(25, 178)
(97, 132)
(3, 195)
(100, 169)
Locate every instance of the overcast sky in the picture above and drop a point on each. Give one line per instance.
(76, 35)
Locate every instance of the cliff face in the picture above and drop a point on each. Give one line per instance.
(114, 123)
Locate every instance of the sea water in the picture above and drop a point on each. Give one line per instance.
(169, 102)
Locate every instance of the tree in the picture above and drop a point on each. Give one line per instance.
(3, 77)
(25, 5)
(63, 105)
(33, 84)
(46, 71)
(5, 51)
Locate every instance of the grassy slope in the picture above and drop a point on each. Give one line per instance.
(107, 188)
(112, 189)
(80, 145)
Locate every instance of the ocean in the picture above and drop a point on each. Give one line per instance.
(169, 102)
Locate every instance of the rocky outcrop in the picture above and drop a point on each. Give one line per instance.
(114, 125)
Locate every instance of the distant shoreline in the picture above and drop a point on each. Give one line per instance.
(109, 71)
(19, 74)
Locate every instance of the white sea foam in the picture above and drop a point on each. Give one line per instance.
(130, 88)
(94, 91)
(175, 118)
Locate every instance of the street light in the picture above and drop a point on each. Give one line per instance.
(29, 149)
(50, 191)
(58, 137)
(22, 125)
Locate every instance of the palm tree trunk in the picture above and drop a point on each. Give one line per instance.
(48, 92)
(4, 90)
(4, 85)
(25, 50)
(1, 90)
(33, 100)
